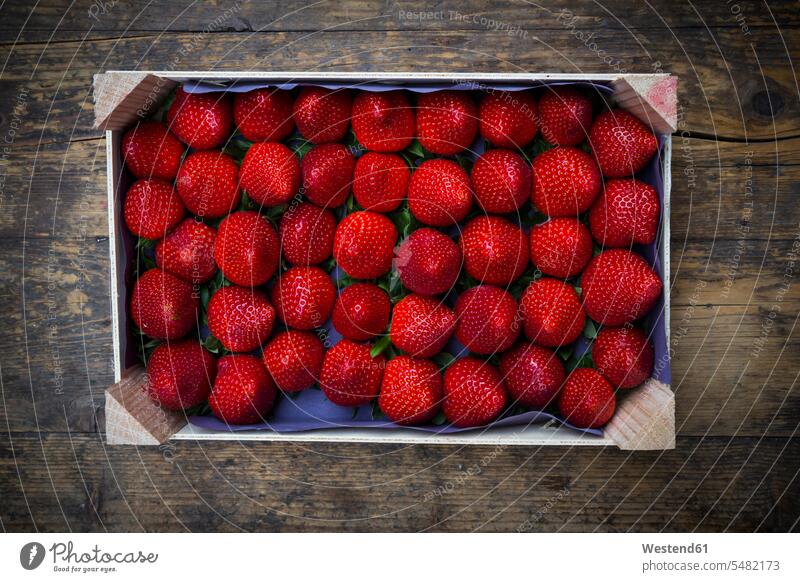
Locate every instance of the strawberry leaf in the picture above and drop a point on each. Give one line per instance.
(585, 361)
(439, 419)
(213, 345)
(590, 329)
(377, 413)
(565, 352)
(415, 149)
(444, 359)
(380, 346)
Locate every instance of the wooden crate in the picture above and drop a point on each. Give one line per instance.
(645, 417)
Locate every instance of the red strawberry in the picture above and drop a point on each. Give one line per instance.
(202, 121)
(361, 311)
(247, 248)
(565, 181)
(421, 326)
(322, 115)
(508, 119)
(552, 313)
(180, 374)
(163, 306)
(502, 181)
(565, 115)
(439, 193)
(350, 375)
(152, 208)
(561, 247)
(304, 297)
(208, 183)
(270, 174)
(487, 320)
(428, 262)
(411, 390)
(533, 375)
(264, 114)
(383, 122)
(625, 213)
(241, 319)
(619, 286)
(621, 143)
(243, 391)
(364, 244)
(474, 393)
(623, 355)
(151, 151)
(188, 252)
(587, 399)
(307, 234)
(495, 250)
(327, 174)
(380, 182)
(294, 359)
(447, 121)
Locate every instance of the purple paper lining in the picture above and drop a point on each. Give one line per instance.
(310, 410)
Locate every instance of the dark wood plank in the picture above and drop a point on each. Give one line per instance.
(188, 16)
(75, 482)
(755, 99)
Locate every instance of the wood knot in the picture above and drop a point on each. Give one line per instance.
(768, 103)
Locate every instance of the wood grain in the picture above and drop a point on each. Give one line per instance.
(756, 99)
(735, 225)
(705, 485)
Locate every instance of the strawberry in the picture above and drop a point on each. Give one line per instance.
(621, 143)
(560, 247)
(421, 326)
(428, 262)
(152, 208)
(411, 390)
(565, 181)
(243, 392)
(208, 183)
(264, 114)
(327, 171)
(565, 115)
(439, 193)
(508, 119)
(383, 122)
(533, 375)
(474, 393)
(495, 250)
(307, 234)
(201, 121)
(151, 151)
(623, 355)
(247, 250)
(552, 313)
(270, 174)
(502, 181)
(364, 244)
(380, 181)
(587, 399)
(487, 319)
(447, 121)
(625, 213)
(361, 311)
(322, 115)
(618, 287)
(350, 375)
(241, 319)
(294, 359)
(163, 306)
(180, 374)
(304, 297)
(188, 252)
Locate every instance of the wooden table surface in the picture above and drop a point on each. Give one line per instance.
(735, 294)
